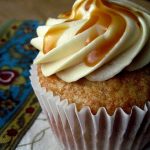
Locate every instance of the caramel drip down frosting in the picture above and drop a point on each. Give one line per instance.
(97, 39)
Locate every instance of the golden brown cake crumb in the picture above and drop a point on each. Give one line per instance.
(124, 90)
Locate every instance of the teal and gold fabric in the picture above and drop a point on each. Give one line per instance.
(18, 104)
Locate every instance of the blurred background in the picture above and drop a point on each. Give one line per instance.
(39, 9)
(32, 9)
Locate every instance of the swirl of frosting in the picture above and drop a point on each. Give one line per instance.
(96, 40)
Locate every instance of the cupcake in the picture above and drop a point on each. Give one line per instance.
(92, 75)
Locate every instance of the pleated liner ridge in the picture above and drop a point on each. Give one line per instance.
(84, 131)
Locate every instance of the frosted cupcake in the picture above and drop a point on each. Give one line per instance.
(92, 75)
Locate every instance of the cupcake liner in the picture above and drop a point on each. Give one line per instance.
(84, 131)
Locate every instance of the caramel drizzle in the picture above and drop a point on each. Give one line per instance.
(51, 38)
(102, 14)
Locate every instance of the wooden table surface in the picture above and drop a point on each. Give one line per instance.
(39, 9)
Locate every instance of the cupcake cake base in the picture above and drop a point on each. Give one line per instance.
(82, 130)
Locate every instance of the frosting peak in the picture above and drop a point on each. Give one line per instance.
(96, 40)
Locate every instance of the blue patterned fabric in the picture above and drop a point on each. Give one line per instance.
(18, 104)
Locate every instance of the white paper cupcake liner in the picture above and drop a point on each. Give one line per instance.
(84, 131)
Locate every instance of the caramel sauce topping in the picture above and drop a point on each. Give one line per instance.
(105, 14)
(51, 38)
(90, 39)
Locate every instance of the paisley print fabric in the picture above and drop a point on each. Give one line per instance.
(18, 104)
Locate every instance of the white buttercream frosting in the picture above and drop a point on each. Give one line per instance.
(96, 40)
